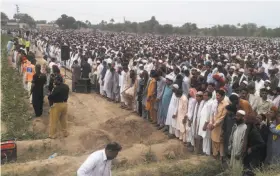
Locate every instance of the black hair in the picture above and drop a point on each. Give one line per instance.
(75, 61)
(244, 89)
(55, 69)
(208, 93)
(277, 89)
(263, 90)
(153, 74)
(221, 92)
(231, 108)
(187, 73)
(233, 98)
(38, 68)
(211, 84)
(114, 146)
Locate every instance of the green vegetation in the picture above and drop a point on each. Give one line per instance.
(153, 26)
(39, 172)
(14, 107)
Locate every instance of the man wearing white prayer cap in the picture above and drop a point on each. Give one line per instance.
(236, 140)
(172, 111)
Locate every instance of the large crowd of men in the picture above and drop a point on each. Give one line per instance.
(219, 95)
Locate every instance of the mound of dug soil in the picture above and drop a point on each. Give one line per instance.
(132, 129)
(94, 139)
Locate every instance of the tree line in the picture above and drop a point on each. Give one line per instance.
(153, 26)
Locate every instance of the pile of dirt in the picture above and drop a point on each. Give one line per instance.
(94, 139)
(132, 129)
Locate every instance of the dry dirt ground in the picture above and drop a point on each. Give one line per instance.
(93, 122)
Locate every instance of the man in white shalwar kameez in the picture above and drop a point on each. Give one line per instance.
(99, 77)
(148, 67)
(108, 82)
(195, 122)
(172, 110)
(189, 116)
(126, 83)
(181, 112)
(236, 140)
(204, 120)
(121, 78)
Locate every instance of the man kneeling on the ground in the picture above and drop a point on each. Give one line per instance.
(99, 162)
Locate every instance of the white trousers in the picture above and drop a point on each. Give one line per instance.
(101, 90)
(172, 130)
(109, 94)
(23, 81)
(29, 84)
(189, 135)
(206, 145)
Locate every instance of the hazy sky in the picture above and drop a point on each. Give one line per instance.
(204, 13)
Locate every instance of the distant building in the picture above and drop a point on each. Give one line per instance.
(15, 25)
(46, 26)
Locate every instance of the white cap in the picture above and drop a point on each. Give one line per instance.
(241, 112)
(245, 82)
(141, 65)
(241, 70)
(233, 67)
(169, 77)
(144, 61)
(109, 61)
(175, 86)
(235, 94)
(267, 81)
(160, 61)
(220, 63)
(98, 62)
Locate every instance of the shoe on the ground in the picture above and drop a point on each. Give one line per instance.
(171, 136)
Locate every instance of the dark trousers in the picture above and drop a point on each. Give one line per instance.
(252, 160)
(74, 86)
(27, 50)
(37, 102)
(96, 86)
(140, 107)
(88, 86)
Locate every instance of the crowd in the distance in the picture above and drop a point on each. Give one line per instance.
(219, 95)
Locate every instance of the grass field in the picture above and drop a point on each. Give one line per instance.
(14, 106)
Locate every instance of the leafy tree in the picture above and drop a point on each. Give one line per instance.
(25, 18)
(153, 26)
(88, 23)
(66, 22)
(4, 18)
(80, 24)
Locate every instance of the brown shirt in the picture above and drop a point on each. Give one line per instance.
(217, 120)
